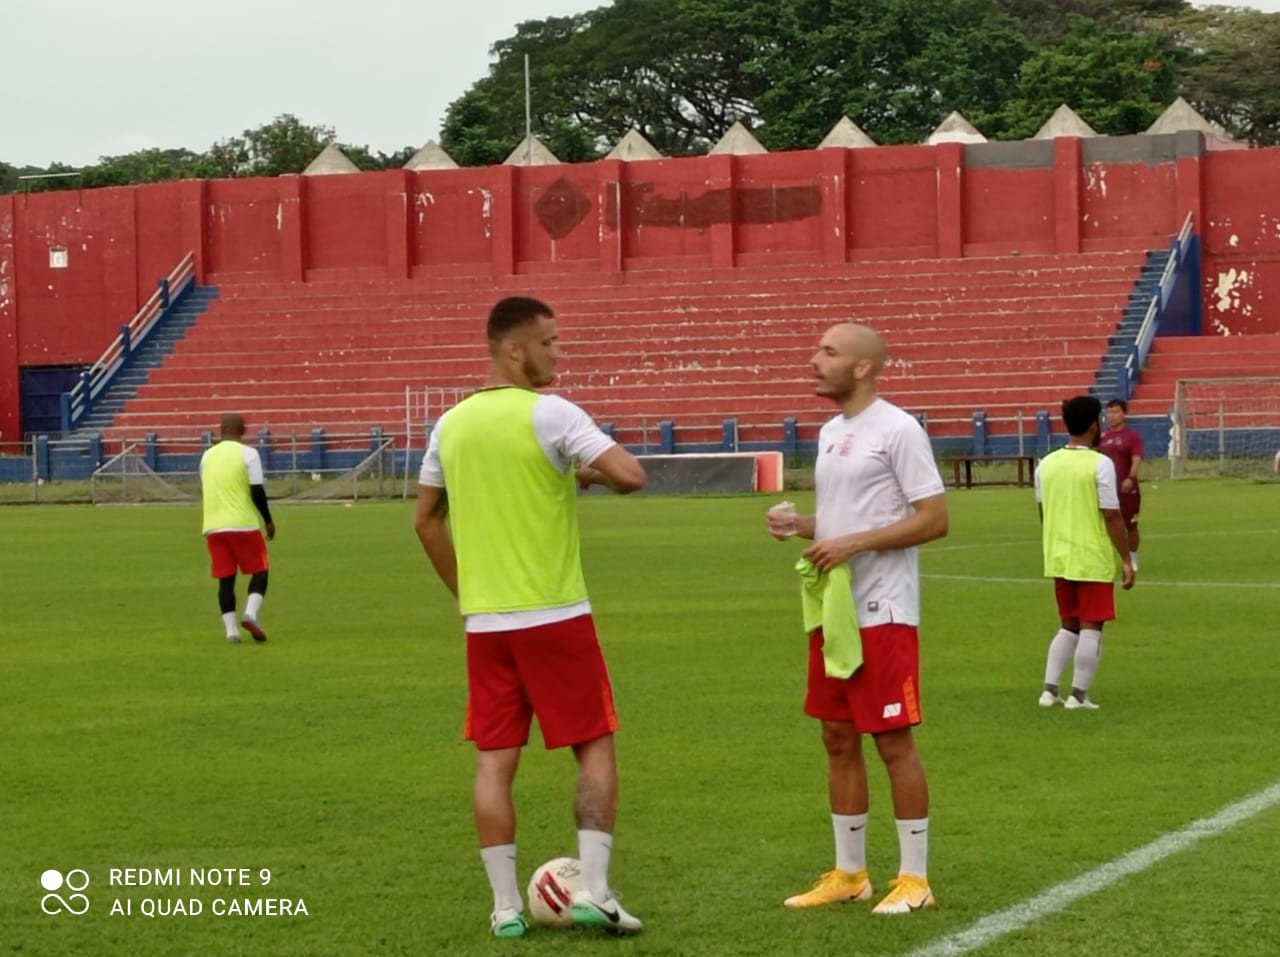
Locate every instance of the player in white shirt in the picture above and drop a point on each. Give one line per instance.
(879, 496)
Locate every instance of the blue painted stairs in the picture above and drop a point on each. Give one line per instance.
(170, 330)
(1106, 383)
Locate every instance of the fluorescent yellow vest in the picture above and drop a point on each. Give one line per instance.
(225, 483)
(1076, 544)
(512, 515)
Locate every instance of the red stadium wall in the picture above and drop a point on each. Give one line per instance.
(813, 206)
(1240, 236)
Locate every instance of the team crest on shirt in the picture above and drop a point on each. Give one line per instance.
(846, 446)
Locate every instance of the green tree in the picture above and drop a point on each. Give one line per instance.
(1119, 83)
(285, 145)
(367, 160)
(896, 67)
(651, 65)
(143, 166)
(1046, 22)
(1231, 70)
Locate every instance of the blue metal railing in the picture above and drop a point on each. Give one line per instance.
(1141, 347)
(77, 403)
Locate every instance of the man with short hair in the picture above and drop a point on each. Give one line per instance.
(1122, 444)
(233, 495)
(879, 497)
(1082, 531)
(497, 517)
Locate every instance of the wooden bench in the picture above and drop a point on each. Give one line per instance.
(1026, 468)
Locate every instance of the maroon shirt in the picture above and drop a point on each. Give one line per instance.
(1121, 446)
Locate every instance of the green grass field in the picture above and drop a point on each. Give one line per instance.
(133, 736)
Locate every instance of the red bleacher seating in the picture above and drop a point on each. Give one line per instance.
(1010, 336)
(1200, 357)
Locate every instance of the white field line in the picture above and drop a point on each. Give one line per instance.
(1142, 582)
(1061, 896)
(936, 549)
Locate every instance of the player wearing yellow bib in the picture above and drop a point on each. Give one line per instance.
(497, 516)
(231, 485)
(1083, 533)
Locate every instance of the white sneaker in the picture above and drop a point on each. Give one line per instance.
(607, 914)
(1080, 704)
(1048, 699)
(234, 639)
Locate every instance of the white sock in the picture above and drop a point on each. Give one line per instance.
(594, 851)
(229, 619)
(1133, 560)
(913, 846)
(500, 865)
(1061, 650)
(1088, 654)
(253, 605)
(851, 841)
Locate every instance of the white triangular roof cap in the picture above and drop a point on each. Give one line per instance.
(330, 160)
(955, 129)
(1064, 122)
(848, 134)
(738, 141)
(431, 156)
(633, 146)
(1181, 115)
(531, 152)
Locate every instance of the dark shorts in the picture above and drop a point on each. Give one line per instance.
(1131, 504)
(1088, 601)
(556, 672)
(246, 551)
(883, 694)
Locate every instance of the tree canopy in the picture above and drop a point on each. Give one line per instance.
(683, 71)
(285, 145)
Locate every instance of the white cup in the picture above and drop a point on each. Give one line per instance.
(783, 518)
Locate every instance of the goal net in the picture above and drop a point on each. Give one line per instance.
(1227, 427)
(128, 479)
(373, 477)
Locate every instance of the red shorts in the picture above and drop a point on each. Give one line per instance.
(1131, 504)
(231, 550)
(555, 671)
(883, 694)
(1088, 601)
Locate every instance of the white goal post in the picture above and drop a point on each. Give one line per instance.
(1228, 427)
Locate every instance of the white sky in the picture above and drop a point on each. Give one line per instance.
(90, 78)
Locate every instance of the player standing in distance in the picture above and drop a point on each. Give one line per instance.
(879, 496)
(497, 515)
(1122, 444)
(234, 497)
(1082, 530)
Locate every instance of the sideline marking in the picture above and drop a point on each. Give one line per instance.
(931, 549)
(1061, 896)
(1142, 582)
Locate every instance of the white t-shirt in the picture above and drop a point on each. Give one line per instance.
(1108, 493)
(565, 433)
(870, 469)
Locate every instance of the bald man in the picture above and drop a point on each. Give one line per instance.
(879, 496)
(231, 484)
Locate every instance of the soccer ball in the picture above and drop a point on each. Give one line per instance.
(551, 891)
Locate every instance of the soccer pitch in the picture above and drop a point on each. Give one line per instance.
(326, 767)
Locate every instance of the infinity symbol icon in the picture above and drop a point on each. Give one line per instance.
(75, 903)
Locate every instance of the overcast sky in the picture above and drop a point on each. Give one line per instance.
(88, 78)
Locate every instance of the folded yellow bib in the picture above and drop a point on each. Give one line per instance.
(827, 601)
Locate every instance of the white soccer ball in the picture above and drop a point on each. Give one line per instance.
(551, 891)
